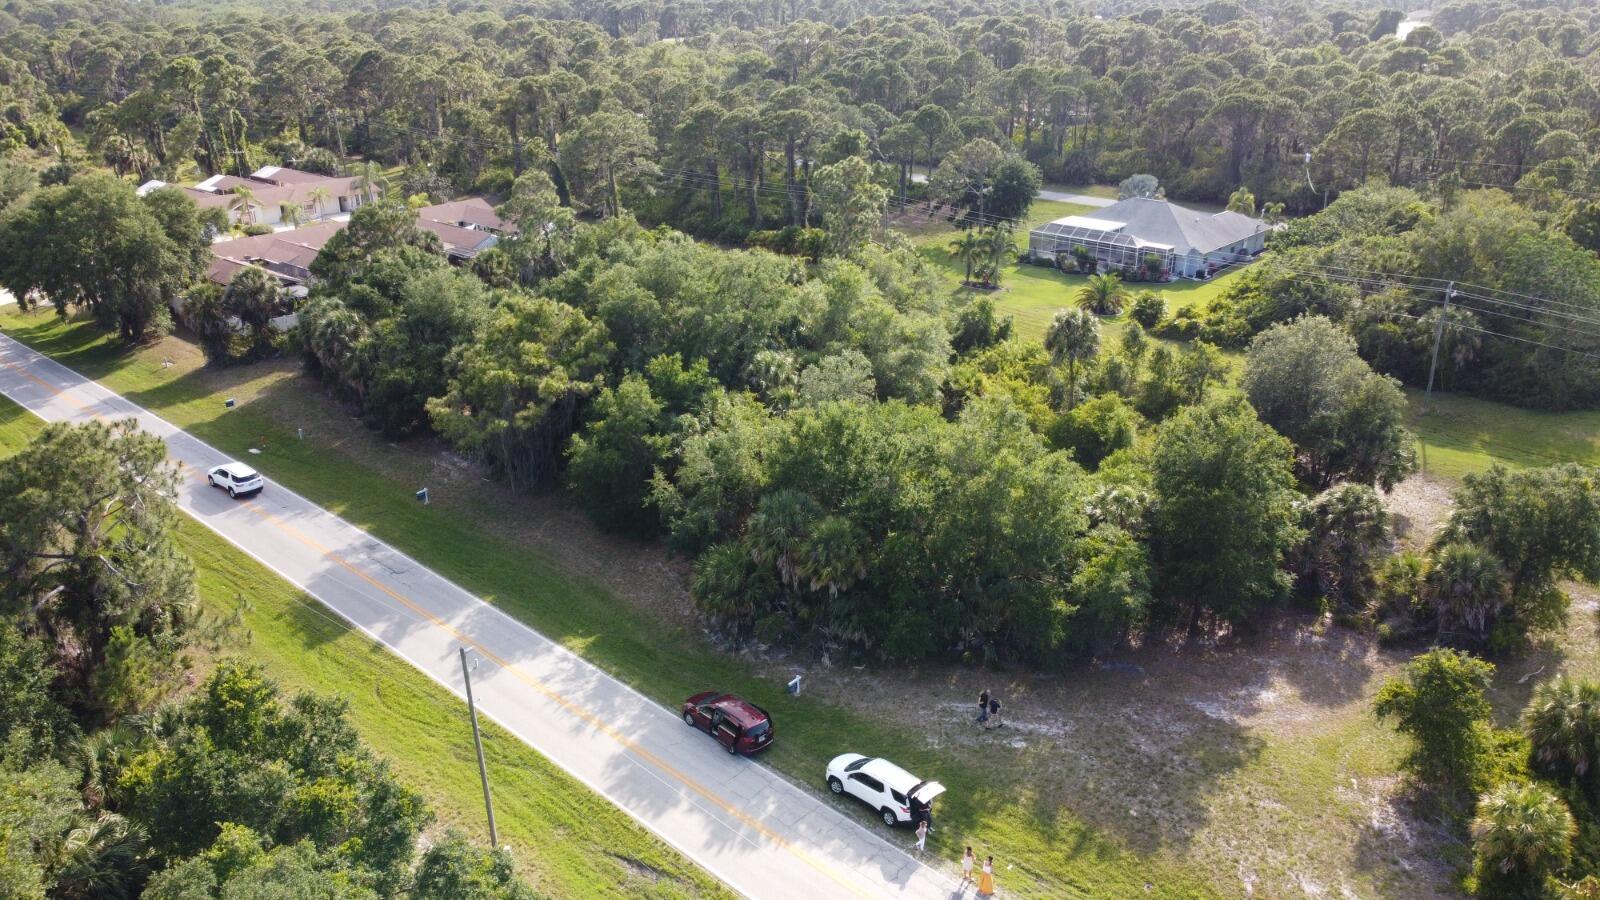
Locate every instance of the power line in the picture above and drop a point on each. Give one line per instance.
(1312, 278)
(1400, 279)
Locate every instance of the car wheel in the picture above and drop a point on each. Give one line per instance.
(733, 749)
(836, 785)
(232, 493)
(688, 720)
(211, 480)
(889, 818)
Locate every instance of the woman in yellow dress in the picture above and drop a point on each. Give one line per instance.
(986, 878)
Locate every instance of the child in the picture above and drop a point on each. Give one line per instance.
(994, 712)
(922, 836)
(983, 706)
(986, 878)
(967, 860)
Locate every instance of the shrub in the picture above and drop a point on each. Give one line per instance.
(1148, 309)
(1442, 706)
(1096, 428)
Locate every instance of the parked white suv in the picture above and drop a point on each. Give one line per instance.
(896, 794)
(236, 478)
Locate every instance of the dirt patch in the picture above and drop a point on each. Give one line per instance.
(1420, 505)
(639, 870)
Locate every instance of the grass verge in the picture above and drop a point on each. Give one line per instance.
(568, 840)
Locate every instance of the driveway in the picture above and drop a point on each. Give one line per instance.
(747, 825)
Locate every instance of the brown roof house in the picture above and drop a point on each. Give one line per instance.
(467, 227)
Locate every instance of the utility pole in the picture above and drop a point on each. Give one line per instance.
(1433, 365)
(477, 740)
(1438, 338)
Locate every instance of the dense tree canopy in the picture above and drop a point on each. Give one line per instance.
(86, 532)
(91, 244)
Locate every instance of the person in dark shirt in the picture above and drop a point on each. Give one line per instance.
(994, 712)
(983, 706)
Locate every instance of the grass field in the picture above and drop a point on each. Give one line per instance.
(568, 840)
(1463, 434)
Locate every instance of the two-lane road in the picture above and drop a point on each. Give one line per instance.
(751, 828)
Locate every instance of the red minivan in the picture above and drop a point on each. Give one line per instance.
(738, 725)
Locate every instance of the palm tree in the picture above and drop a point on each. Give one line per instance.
(243, 204)
(369, 180)
(777, 532)
(1521, 832)
(102, 857)
(832, 559)
(291, 214)
(1074, 334)
(1562, 723)
(316, 197)
(1104, 294)
(966, 248)
(1000, 245)
(1466, 586)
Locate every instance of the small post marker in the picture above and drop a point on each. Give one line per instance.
(228, 403)
(422, 496)
(794, 686)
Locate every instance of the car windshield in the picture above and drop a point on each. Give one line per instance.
(856, 765)
(240, 473)
(758, 730)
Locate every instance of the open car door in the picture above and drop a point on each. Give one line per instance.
(925, 792)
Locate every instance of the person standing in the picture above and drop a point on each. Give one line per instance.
(967, 860)
(983, 706)
(986, 878)
(994, 712)
(922, 836)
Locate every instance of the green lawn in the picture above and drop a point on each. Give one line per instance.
(371, 485)
(568, 840)
(1033, 295)
(1463, 434)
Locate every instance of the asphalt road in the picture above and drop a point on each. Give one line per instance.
(1059, 196)
(750, 827)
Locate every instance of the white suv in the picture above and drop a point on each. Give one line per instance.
(237, 478)
(898, 796)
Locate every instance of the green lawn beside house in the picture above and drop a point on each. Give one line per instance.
(1032, 295)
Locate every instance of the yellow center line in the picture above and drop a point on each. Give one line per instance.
(576, 709)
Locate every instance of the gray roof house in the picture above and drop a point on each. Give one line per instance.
(1128, 233)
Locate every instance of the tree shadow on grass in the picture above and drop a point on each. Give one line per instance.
(76, 342)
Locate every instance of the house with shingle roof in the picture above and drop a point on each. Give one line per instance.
(466, 227)
(1129, 233)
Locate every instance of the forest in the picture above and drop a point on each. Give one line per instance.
(706, 329)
